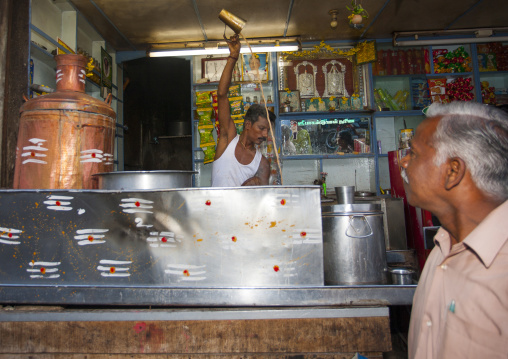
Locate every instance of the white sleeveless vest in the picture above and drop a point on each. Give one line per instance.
(228, 172)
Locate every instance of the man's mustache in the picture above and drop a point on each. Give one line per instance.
(262, 138)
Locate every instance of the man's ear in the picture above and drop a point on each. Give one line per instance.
(455, 172)
(247, 125)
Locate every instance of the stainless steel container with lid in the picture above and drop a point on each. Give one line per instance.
(353, 244)
(133, 180)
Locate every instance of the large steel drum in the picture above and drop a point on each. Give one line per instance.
(66, 136)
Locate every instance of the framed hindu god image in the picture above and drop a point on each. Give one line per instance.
(293, 97)
(255, 67)
(321, 77)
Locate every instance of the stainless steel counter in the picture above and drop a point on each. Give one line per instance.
(198, 247)
(372, 295)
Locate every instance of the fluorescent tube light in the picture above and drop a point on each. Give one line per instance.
(456, 41)
(221, 51)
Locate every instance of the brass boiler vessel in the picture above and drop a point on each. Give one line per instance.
(67, 136)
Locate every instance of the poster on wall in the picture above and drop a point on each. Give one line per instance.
(106, 73)
(255, 67)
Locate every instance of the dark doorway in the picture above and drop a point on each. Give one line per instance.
(157, 112)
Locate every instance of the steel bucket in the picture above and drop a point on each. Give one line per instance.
(134, 180)
(353, 244)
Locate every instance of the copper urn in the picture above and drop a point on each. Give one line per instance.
(67, 136)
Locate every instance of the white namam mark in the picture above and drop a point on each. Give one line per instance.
(94, 155)
(59, 75)
(81, 211)
(162, 239)
(186, 272)
(113, 269)
(34, 152)
(108, 159)
(82, 76)
(7, 235)
(90, 236)
(289, 271)
(58, 203)
(136, 205)
(42, 270)
(305, 236)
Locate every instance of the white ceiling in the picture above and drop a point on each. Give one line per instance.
(130, 25)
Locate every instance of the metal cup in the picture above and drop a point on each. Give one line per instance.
(345, 194)
(402, 276)
(234, 22)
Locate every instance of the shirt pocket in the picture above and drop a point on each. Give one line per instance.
(462, 339)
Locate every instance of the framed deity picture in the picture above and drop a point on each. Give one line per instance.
(211, 68)
(106, 73)
(293, 97)
(255, 67)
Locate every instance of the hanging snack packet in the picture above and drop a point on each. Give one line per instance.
(206, 135)
(205, 116)
(234, 91)
(209, 152)
(203, 99)
(236, 105)
(238, 120)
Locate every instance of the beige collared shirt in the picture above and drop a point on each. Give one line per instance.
(460, 307)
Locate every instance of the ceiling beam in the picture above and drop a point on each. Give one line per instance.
(375, 18)
(196, 10)
(464, 13)
(290, 10)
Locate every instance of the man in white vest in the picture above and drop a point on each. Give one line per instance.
(237, 160)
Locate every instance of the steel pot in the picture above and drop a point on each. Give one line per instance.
(354, 245)
(134, 180)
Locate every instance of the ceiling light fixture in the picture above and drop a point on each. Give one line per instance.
(455, 41)
(333, 13)
(220, 48)
(471, 36)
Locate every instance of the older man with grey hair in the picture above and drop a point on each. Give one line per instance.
(457, 168)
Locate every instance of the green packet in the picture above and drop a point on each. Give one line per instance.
(236, 105)
(209, 152)
(205, 134)
(205, 116)
(234, 91)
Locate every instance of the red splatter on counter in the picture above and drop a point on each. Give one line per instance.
(112, 270)
(186, 273)
(137, 204)
(139, 327)
(90, 238)
(208, 203)
(303, 234)
(164, 239)
(43, 270)
(58, 203)
(234, 239)
(283, 201)
(276, 268)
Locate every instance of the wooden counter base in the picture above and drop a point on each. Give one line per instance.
(265, 338)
